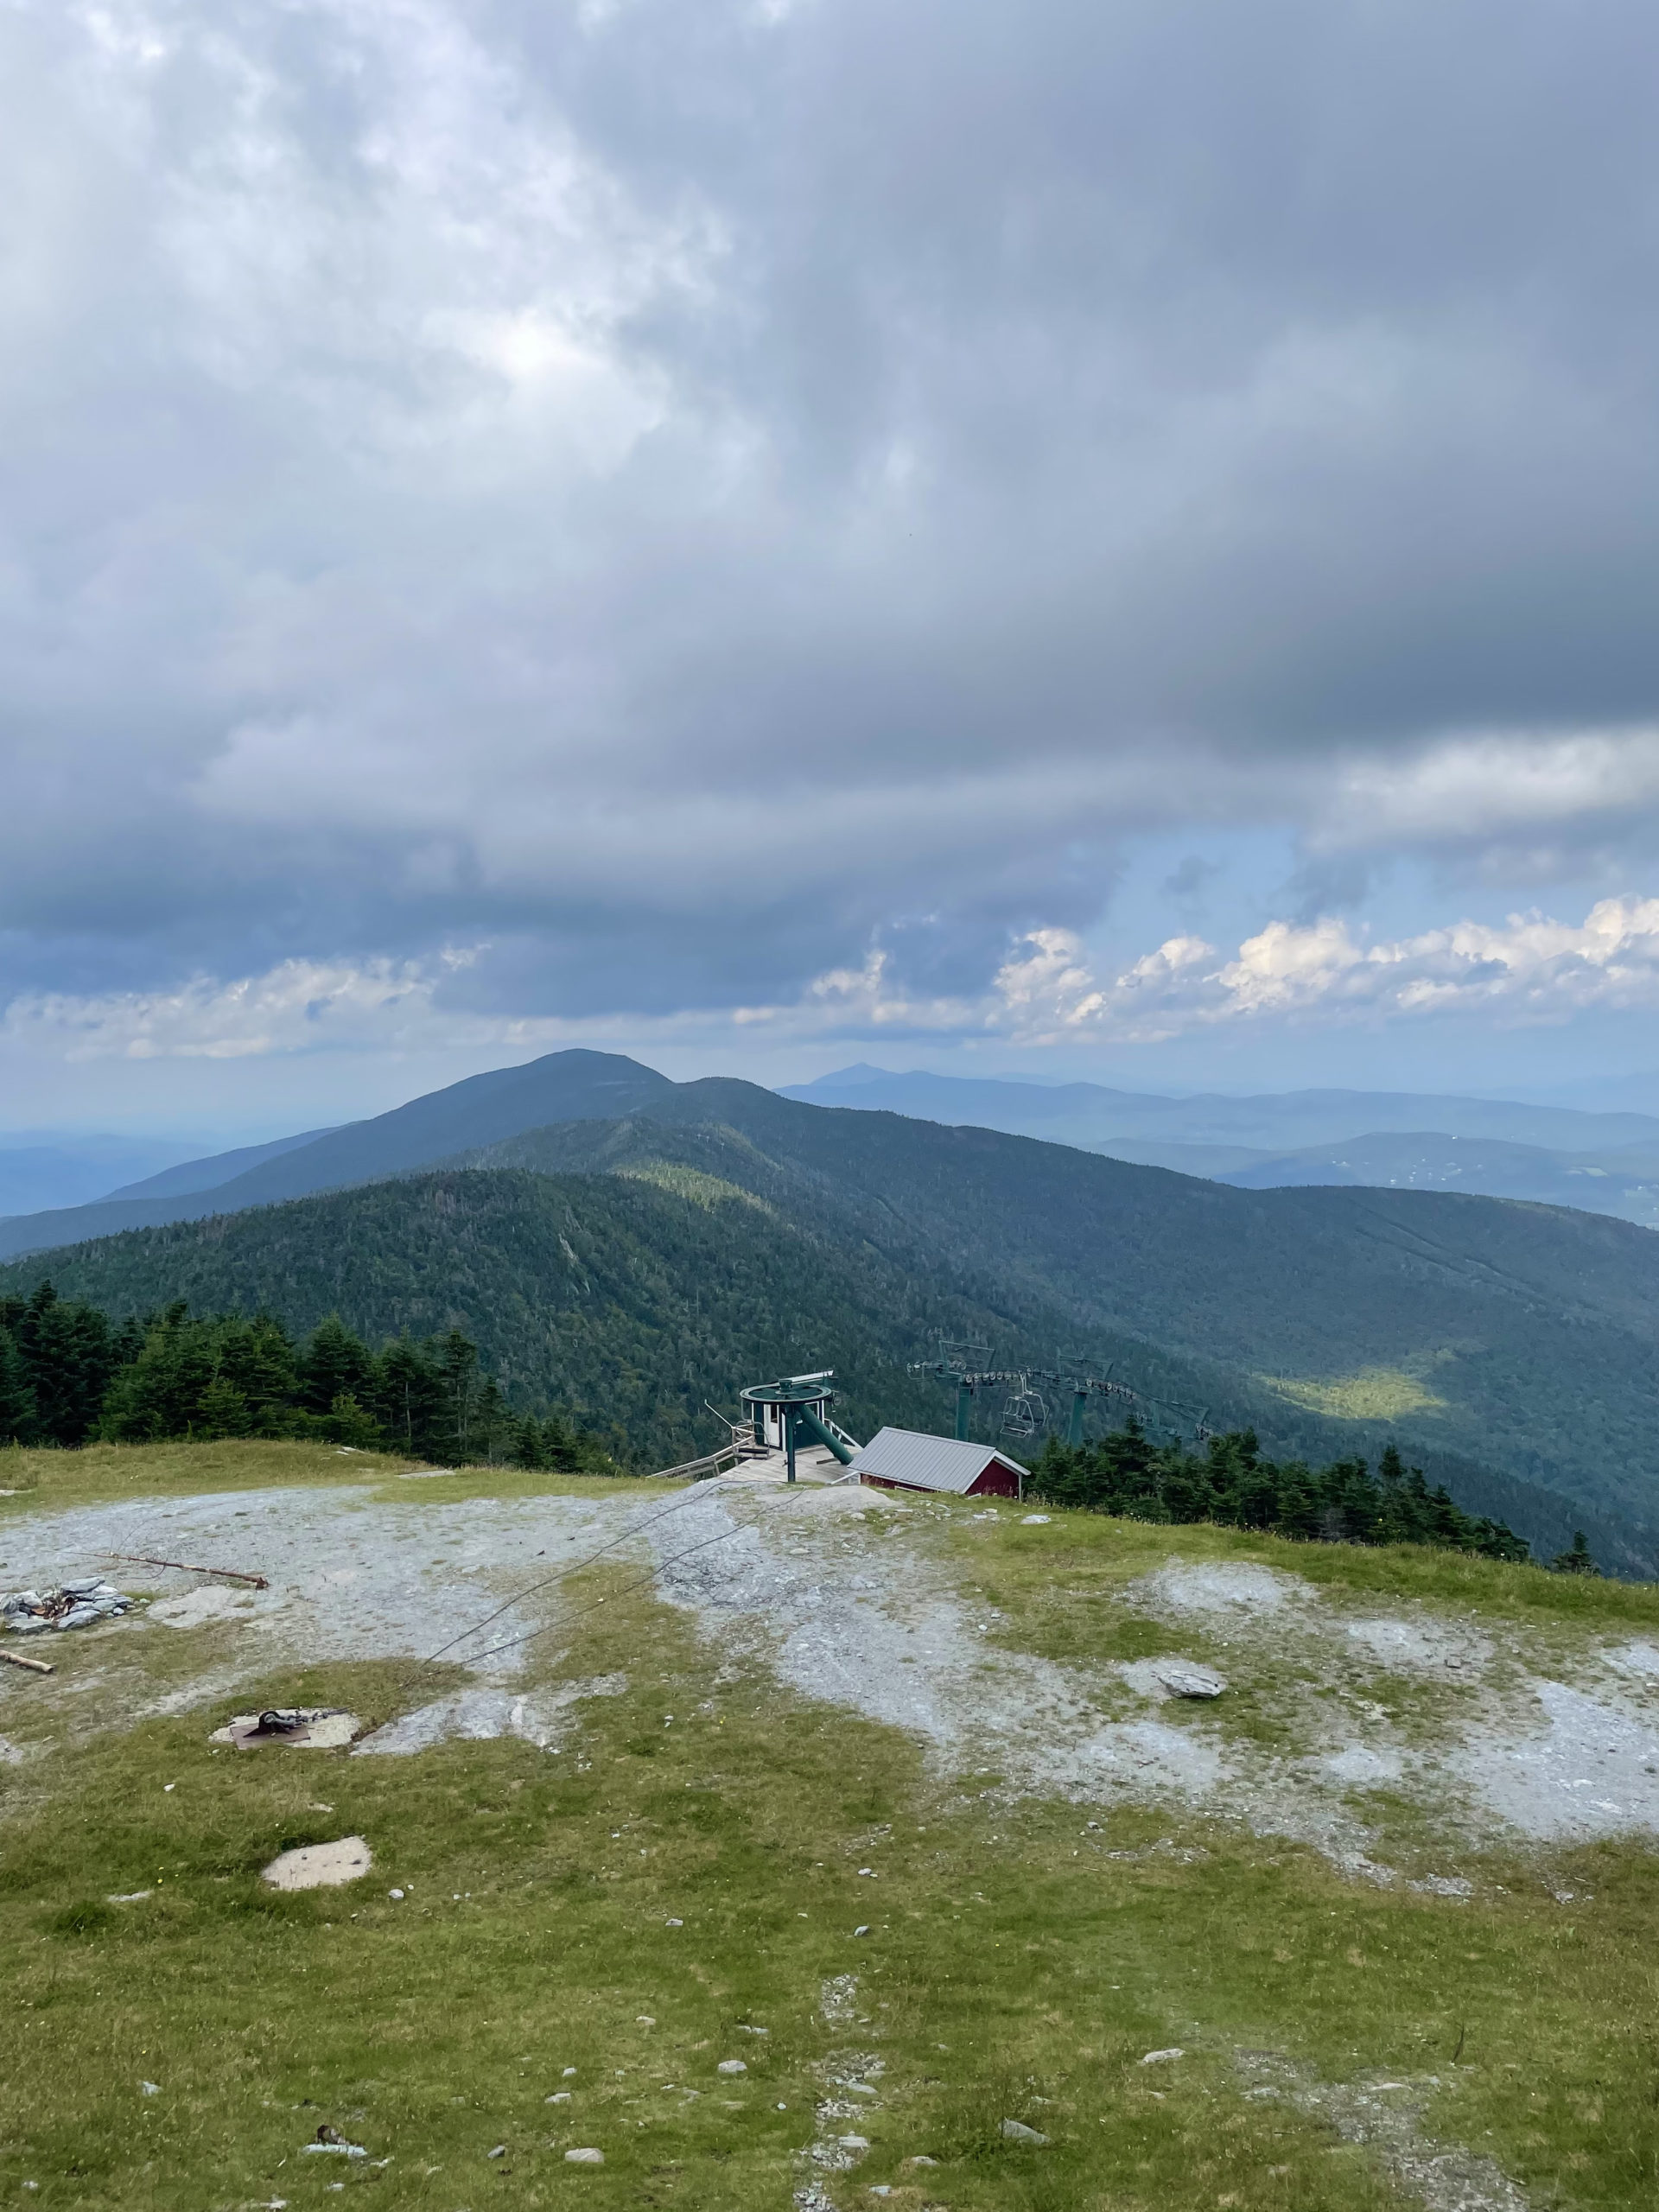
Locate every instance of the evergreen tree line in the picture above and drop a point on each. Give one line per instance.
(69, 1376)
(1231, 1484)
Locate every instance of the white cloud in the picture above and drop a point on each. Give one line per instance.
(1530, 968)
(297, 1007)
(1474, 788)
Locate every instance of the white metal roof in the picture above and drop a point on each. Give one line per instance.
(904, 1455)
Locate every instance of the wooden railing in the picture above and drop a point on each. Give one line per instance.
(713, 1463)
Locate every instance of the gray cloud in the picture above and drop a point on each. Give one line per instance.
(678, 497)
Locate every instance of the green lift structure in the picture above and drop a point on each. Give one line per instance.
(795, 1406)
(957, 1366)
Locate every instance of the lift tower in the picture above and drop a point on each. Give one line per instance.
(797, 1405)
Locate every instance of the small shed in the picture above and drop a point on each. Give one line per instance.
(903, 1458)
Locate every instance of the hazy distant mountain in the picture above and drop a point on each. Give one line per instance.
(219, 1169)
(477, 1111)
(1088, 1114)
(1624, 1183)
(44, 1170)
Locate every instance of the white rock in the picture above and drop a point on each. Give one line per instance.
(1017, 2131)
(1034, 1521)
(731, 2066)
(588, 2157)
(1157, 2057)
(320, 1865)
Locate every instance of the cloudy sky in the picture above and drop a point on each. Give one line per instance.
(1088, 537)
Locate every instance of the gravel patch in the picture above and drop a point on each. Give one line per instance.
(1638, 1660)
(1420, 1646)
(1385, 2117)
(351, 1577)
(1591, 1771)
(212, 1601)
(1229, 1588)
(1358, 1766)
(539, 1717)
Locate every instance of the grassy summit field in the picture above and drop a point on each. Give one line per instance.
(921, 1723)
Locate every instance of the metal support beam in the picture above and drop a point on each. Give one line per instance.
(813, 1427)
(1074, 1426)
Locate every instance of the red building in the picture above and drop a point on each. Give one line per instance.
(903, 1458)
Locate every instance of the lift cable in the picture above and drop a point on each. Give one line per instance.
(650, 1575)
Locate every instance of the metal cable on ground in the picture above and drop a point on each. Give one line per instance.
(571, 1565)
(650, 1575)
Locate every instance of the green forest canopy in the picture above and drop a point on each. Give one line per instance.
(69, 1376)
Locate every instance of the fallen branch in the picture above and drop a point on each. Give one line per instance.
(34, 1666)
(227, 1573)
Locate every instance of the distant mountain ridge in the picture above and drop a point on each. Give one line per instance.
(42, 1168)
(213, 1173)
(477, 1111)
(1230, 1139)
(1274, 1121)
(1550, 1155)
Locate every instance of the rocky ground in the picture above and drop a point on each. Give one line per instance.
(1489, 1729)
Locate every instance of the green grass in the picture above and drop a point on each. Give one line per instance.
(1374, 1393)
(1014, 1967)
(1110, 1553)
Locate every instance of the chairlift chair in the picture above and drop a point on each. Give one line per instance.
(1024, 1414)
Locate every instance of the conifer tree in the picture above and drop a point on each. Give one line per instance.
(334, 1362)
(16, 1396)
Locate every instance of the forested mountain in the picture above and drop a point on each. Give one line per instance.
(1548, 1155)
(559, 1087)
(1505, 1338)
(1232, 1138)
(721, 1232)
(624, 1300)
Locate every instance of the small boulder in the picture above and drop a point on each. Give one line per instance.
(1182, 1681)
(1017, 2131)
